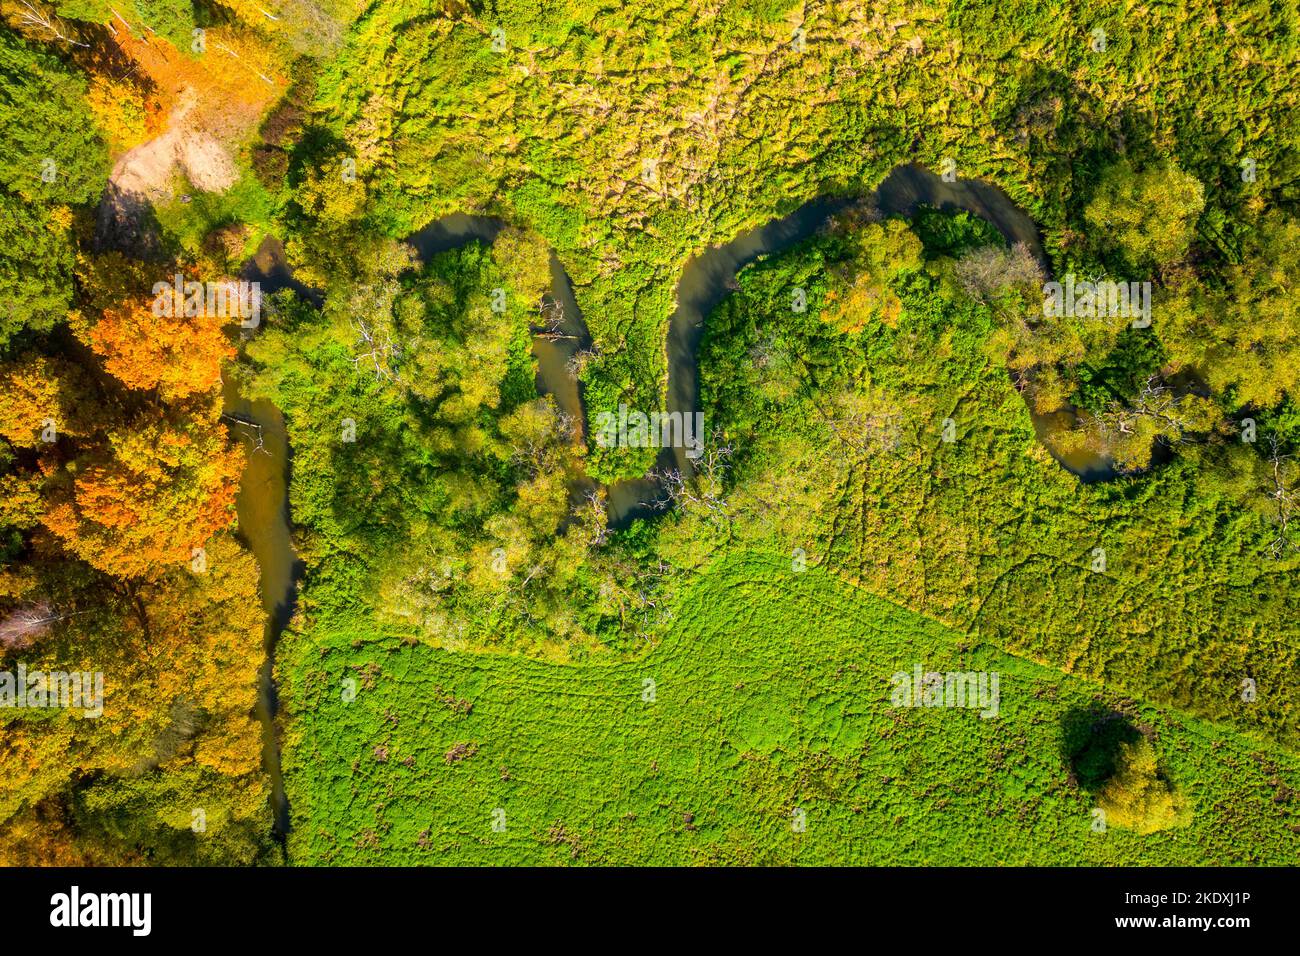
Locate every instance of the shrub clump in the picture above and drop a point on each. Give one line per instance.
(1137, 797)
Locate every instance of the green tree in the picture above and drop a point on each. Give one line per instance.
(50, 153)
(1148, 216)
(1245, 338)
(36, 261)
(50, 158)
(173, 19)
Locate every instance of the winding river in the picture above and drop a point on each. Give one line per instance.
(708, 278)
(263, 509)
(263, 503)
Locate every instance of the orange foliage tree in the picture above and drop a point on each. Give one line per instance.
(179, 356)
(223, 90)
(157, 490)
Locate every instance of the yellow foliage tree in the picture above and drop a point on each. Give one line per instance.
(1137, 797)
(44, 399)
(159, 489)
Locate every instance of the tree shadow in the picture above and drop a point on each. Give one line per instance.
(126, 222)
(1090, 743)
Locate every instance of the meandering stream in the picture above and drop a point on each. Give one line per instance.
(708, 278)
(705, 282)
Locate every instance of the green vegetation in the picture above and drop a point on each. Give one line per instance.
(843, 455)
(47, 164)
(1148, 217)
(225, 226)
(897, 423)
(772, 695)
(432, 483)
(629, 139)
(838, 430)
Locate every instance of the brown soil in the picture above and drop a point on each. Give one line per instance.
(146, 175)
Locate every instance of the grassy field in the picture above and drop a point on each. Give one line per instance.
(771, 689)
(773, 694)
(986, 533)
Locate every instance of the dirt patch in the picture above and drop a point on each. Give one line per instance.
(144, 177)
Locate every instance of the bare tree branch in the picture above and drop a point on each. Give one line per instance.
(34, 17)
(1284, 498)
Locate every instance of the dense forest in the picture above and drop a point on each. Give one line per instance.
(1046, 427)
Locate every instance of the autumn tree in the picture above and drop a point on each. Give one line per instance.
(179, 355)
(180, 655)
(45, 397)
(159, 487)
(121, 110)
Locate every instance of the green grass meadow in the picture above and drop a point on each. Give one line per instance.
(772, 694)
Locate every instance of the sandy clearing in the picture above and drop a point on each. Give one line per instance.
(144, 176)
